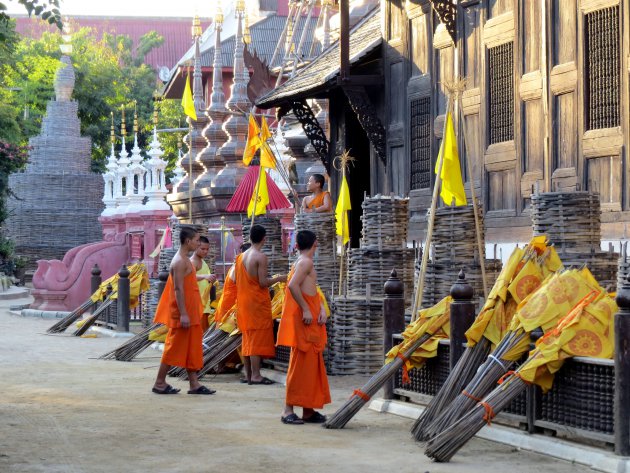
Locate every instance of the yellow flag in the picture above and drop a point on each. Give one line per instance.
(187, 101)
(341, 211)
(266, 155)
(253, 140)
(259, 205)
(451, 175)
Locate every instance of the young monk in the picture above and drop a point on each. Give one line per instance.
(302, 327)
(253, 305)
(205, 279)
(319, 200)
(180, 309)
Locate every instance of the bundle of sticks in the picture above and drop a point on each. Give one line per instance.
(132, 347)
(430, 322)
(586, 330)
(540, 311)
(71, 318)
(521, 275)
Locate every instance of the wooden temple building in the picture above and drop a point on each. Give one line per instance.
(545, 104)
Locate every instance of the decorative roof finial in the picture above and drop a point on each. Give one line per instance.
(218, 17)
(196, 27)
(240, 7)
(247, 37)
(112, 133)
(123, 125)
(155, 114)
(135, 117)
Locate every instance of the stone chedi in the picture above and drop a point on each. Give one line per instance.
(59, 198)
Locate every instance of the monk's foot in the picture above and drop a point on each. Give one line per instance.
(313, 418)
(263, 380)
(291, 419)
(164, 389)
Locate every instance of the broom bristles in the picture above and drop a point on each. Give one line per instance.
(93, 318)
(132, 347)
(69, 319)
(450, 441)
(457, 380)
(353, 405)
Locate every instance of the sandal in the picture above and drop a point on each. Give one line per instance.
(265, 381)
(315, 418)
(202, 390)
(167, 390)
(292, 419)
(244, 381)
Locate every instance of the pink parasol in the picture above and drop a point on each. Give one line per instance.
(242, 196)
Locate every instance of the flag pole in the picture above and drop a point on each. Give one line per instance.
(190, 176)
(417, 301)
(482, 259)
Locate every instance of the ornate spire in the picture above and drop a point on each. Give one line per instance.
(196, 141)
(179, 170)
(135, 171)
(64, 79)
(155, 189)
(122, 171)
(109, 177)
(214, 133)
(239, 105)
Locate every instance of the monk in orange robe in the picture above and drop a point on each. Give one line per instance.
(228, 297)
(180, 309)
(302, 327)
(205, 279)
(253, 305)
(319, 200)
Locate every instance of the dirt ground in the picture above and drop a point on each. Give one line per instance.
(62, 410)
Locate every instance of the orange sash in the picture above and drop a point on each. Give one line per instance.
(318, 200)
(167, 312)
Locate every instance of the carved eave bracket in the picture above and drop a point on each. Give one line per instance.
(368, 118)
(447, 11)
(311, 128)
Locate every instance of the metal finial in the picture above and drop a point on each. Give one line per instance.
(196, 27)
(135, 117)
(123, 125)
(112, 133)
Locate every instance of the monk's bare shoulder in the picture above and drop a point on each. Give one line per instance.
(305, 265)
(181, 265)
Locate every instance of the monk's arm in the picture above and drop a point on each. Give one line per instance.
(179, 273)
(302, 270)
(326, 206)
(263, 279)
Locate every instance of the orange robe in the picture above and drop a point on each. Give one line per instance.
(253, 313)
(183, 346)
(227, 300)
(307, 383)
(318, 200)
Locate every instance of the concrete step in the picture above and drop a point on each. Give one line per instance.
(14, 292)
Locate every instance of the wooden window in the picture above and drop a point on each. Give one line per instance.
(421, 143)
(602, 58)
(603, 177)
(501, 93)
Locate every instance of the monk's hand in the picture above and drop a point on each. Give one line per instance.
(212, 278)
(321, 319)
(185, 321)
(307, 317)
(281, 277)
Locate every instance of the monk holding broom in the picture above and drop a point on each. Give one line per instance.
(302, 327)
(253, 305)
(180, 309)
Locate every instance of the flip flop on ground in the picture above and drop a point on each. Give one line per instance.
(292, 419)
(167, 390)
(265, 381)
(202, 390)
(314, 418)
(244, 381)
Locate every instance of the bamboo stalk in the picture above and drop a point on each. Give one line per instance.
(72, 317)
(94, 317)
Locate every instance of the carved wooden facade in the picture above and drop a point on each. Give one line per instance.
(546, 102)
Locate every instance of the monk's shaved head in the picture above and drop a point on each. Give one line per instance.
(203, 239)
(186, 233)
(257, 233)
(305, 239)
(319, 179)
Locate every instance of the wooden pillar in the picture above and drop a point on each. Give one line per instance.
(393, 320)
(122, 319)
(344, 40)
(622, 371)
(533, 395)
(462, 316)
(96, 279)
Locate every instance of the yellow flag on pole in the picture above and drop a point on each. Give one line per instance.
(253, 140)
(266, 154)
(451, 175)
(187, 101)
(260, 197)
(341, 211)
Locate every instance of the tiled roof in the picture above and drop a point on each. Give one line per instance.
(265, 35)
(364, 37)
(176, 33)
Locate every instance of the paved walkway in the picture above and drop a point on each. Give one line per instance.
(62, 410)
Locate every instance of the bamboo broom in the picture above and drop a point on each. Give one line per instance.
(214, 339)
(221, 352)
(132, 347)
(94, 317)
(71, 318)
